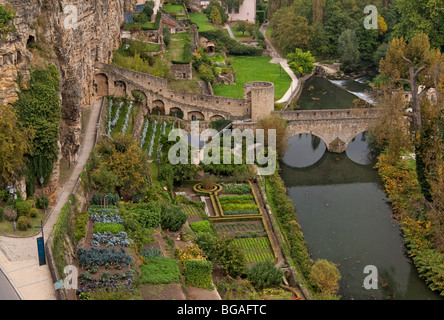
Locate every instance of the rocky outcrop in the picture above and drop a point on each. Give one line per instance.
(47, 26)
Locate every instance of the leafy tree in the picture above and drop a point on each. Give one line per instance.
(301, 62)
(280, 125)
(319, 41)
(215, 17)
(289, 30)
(421, 16)
(349, 50)
(15, 142)
(415, 64)
(229, 256)
(241, 26)
(209, 11)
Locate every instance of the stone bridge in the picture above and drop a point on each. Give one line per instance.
(336, 127)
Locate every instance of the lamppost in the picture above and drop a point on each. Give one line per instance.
(14, 197)
(43, 192)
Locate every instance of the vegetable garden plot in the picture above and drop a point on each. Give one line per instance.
(256, 249)
(238, 204)
(242, 228)
(120, 117)
(191, 211)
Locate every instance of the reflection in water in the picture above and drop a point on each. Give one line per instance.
(303, 150)
(346, 218)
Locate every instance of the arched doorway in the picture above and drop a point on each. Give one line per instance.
(101, 84)
(195, 115)
(158, 108)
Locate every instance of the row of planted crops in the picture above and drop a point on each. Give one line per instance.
(121, 118)
(241, 218)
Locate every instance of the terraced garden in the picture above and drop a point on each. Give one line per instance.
(152, 130)
(121, 116)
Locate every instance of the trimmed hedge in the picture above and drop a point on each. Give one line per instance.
(198, 273)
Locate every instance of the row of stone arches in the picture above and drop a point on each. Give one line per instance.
(158, 106)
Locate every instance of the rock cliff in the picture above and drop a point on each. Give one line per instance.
(71, 34)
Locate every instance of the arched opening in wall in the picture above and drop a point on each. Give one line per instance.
(119, 89)
(176, 112)
(158, 108)
(195, 116)
(217, 117)
(30, 42)
(101, 86)
(139, 97)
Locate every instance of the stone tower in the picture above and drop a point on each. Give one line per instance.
(259, 98)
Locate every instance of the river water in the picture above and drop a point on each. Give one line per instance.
(346, 219)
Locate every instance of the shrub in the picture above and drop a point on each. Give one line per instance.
(42, 202)
(265, 274)
(33, 213)
(198, 273)
(23, 223)
(325, 275)
(201, 226)
(148, 214)
(1, 213)
(173, 218)
(23, 208)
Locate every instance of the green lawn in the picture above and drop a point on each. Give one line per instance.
(144, 26)
(202, 21)
(173, 8)
(176, 48)
(254, 69)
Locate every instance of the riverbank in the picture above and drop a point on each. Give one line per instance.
(402, 188)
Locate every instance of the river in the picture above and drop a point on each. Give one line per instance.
(345, 216)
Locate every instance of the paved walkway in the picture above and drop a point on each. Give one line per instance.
(277, 58)
(19, 257)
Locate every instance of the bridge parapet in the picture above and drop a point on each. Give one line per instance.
(328, 114)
